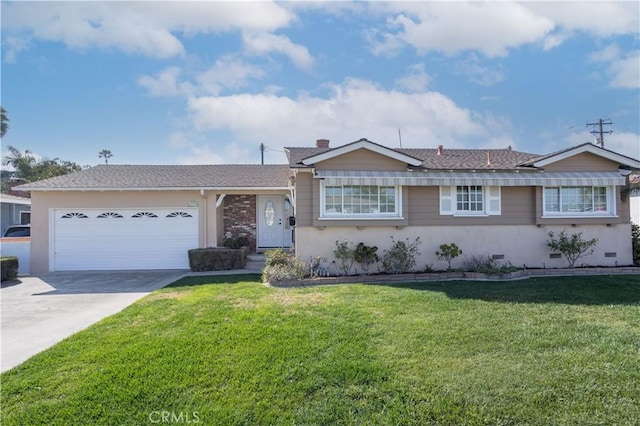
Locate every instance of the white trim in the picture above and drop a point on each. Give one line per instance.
(611, 204)
(590, 148)
(220, 200)
(397, 215)
(362, 143)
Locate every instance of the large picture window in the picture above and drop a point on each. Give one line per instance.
(360, 201)
(578, 200)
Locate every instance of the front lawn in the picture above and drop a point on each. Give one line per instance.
(228, 350)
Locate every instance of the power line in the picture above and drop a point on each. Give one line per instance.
(600, 131)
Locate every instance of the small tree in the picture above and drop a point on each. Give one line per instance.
(572, 246)
(448, 252)
(365, 255)
(344, 253)
(401, 257)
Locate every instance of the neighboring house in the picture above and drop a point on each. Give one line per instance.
(501, 203)
(634, 199)
(15, 211)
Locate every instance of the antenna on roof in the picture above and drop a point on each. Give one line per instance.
(400, 138)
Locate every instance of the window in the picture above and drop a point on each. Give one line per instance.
(578, 200)
(360, 201)
(469, 198)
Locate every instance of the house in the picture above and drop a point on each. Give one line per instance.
(14, 211)
(147, 217)
(500, 202)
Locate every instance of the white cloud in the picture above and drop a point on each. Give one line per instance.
(166, 83)
(451, 27)
(478, 74)
(264, 43)
(493, 28)
(624, 70)
(227, 73)
(416, 79)
(147, 28)
(356, 109)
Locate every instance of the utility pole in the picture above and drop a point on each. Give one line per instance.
(600, 131)
(262, 153)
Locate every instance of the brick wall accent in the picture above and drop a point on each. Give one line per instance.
(239, 218)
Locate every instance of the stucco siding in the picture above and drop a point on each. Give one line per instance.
(520, 245)
(361, 159)
(583, 162)
(635, 209)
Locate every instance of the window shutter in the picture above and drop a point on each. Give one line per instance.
(446, 200)
(493, 198)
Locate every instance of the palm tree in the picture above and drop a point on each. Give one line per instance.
(106, 154)
(4, 126)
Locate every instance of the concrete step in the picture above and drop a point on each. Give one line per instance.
(255, 262)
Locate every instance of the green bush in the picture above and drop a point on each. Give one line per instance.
(486, 265)
(236, 243)
(344, 253)
(401, 257)
(9, 266)
(448, 252)
(572, 246)
(365, 255)
(282, 266)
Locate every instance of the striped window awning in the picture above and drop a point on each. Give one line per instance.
(418, 178)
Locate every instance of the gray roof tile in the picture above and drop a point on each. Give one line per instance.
(456, 159)
(113, 176)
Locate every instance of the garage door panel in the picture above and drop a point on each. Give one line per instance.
(91, 239)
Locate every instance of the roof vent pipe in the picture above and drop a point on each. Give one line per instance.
(440, 148)
(488, 158)
(322, 143)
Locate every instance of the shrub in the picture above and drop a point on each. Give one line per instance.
(282, 266)
(486, 265)
(635, 241)
(448, 252)
(236, 243)
(344, 253)
(401, 257)
(9, 266)
(572, 247)
(365, 255)
(216, 259)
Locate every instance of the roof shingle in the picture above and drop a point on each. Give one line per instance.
(119, 177)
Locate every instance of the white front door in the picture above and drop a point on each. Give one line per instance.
(271, 221)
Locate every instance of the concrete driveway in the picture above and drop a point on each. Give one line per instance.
(38, 312)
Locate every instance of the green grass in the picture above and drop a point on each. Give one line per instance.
(229, 351)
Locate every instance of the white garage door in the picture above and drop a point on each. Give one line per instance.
(108, 239)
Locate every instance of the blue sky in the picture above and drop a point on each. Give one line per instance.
(207, 82)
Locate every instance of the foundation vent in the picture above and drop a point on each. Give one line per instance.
(497, 256)
(611, 254)
(555, 256)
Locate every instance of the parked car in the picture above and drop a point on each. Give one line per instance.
(18, 231)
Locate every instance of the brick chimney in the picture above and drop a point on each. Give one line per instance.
(322, 143)
(440, 148)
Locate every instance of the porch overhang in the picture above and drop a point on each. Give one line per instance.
(440, 178)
